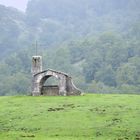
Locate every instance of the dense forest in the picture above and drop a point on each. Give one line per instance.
(97, 42)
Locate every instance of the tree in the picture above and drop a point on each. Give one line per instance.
(106, 75)
(126, 74)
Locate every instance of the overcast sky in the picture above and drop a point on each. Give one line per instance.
(19, 4)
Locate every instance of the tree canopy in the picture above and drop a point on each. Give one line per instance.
(95, 41)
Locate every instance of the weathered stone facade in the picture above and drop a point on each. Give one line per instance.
(64, 88)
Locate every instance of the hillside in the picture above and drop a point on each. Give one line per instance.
(94, 41)
(11, 27)
(98, 116)
(59, 21)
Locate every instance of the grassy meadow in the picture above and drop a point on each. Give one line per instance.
(88, 117)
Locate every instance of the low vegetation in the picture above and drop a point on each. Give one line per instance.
(88, 117)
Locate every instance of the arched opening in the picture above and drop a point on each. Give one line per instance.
(50, 86)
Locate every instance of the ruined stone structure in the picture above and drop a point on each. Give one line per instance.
(64, 88)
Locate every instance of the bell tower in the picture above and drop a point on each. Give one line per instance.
(36, 68)
(36, 64)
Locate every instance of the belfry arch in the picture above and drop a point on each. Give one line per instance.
(65, 85)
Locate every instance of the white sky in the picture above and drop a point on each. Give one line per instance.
(19, 4)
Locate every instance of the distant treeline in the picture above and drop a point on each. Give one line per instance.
(95, 41)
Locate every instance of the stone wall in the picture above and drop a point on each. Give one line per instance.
(65, 86)
(50, 90)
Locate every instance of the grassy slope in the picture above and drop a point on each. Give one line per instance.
(90, 117)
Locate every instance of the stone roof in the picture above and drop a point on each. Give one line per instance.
(59, 72)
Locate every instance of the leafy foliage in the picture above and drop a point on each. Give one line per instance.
(96, 42)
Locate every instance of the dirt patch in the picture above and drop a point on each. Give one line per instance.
(98, 134)
(69, 105)
(63, 107)
(28, 136)
(55, 109)
(98, 110)
(113, 122)
(116, 120)
(122, 139)
(137, 136)
(28, 130)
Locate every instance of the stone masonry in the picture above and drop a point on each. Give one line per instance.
(64, 88)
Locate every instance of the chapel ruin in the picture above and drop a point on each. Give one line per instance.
(39, 77)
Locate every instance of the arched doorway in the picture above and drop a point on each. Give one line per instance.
(65, 85)
(49, 86)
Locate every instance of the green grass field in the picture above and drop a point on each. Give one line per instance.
(89, 117)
